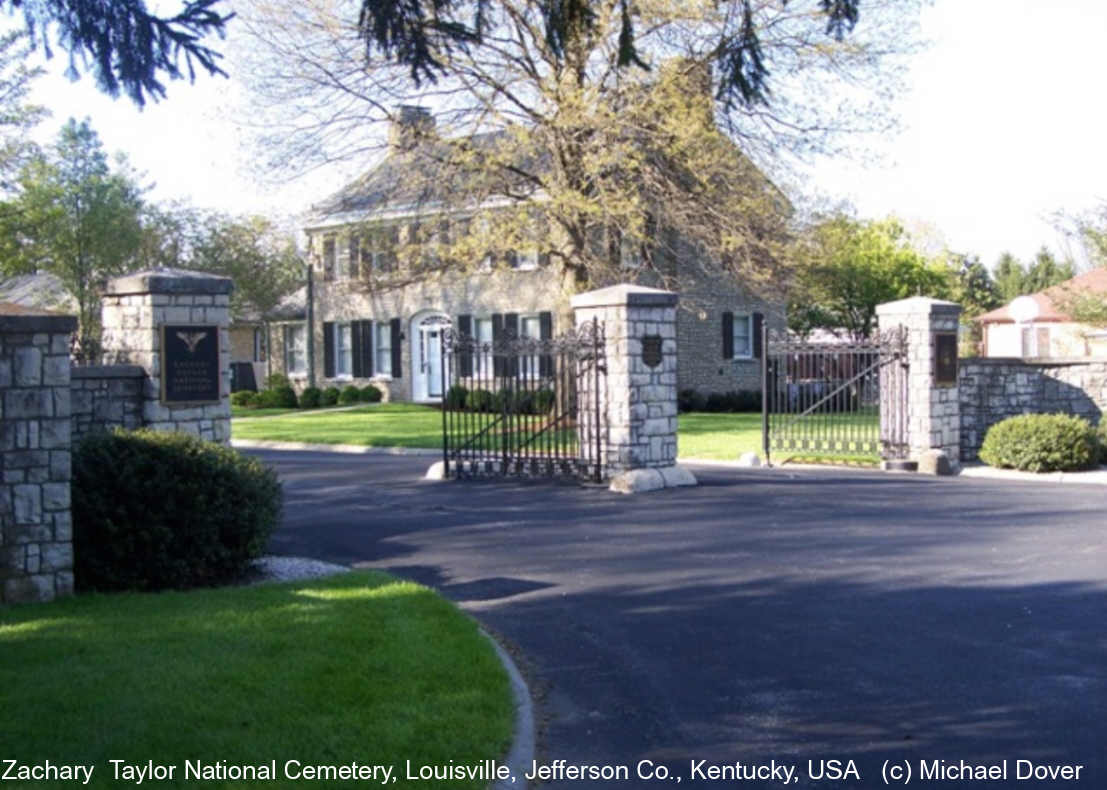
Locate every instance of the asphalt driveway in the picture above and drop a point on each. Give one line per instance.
(763, 616)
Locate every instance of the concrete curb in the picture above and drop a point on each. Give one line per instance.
(521, 753)
(353, 449)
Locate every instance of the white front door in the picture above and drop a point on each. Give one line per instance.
(426, 355)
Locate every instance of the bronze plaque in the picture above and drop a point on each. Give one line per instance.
(945, 359)
(189, 364)
(651, 350)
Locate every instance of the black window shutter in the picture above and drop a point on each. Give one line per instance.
(545, 331)
(355, 349)
(362, 333)
(728, 335)
(511, 329)
(328, 349)
(498, 366)
(397, 349)
(465, 360)
(758, 323)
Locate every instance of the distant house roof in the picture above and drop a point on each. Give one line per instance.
(39, 291)
(404, 180)
(1094, 282)
(291, 308)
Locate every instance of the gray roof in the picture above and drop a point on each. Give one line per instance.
(40, 291)
(406, 180)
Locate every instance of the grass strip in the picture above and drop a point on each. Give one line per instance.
(357, 667)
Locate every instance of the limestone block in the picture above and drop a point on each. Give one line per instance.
(63, 526)
(29, 589)
(935, 462)
(55, 496)
(27, 504)
(57, 556)
(27, 366)
(63, 583)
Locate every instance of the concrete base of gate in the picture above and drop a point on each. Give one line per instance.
(638, 481)
(936, 462)
(437, 471)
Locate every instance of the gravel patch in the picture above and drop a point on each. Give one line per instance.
(285, 569)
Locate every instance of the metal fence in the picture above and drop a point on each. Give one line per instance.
(834, 399)
(525, 406)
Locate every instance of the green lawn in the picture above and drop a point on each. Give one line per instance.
(379, 425)
(357, 667)
(701, 435)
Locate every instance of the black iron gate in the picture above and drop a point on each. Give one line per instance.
(525, 406)
(830, 400)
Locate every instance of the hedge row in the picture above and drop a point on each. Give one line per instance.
(735, 401)
(279, 394)
(539, 401)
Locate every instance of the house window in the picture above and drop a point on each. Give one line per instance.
(295, 349)
(743, 336)
(343, 351)
(630, 253)
(525, 260)
(379, 251)
(530, 328)
(482, 333)
(328, 258)
(353, 264)
(382, 359)
(1035, 341)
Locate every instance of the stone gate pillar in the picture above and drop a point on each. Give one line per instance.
(933, 405)
(36, 527)
(638, 442)
(188, 382)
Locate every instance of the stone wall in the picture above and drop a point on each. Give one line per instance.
(106, 397)
(641, 405)
(134, 309)
(933, 410)
(992, 389)
(36, 552)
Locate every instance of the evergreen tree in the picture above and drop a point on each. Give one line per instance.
(77, 217)
(127, 48)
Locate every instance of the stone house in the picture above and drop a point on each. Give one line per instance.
(391, 337)
(1036, 326)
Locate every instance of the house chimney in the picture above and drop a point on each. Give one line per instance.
(409, 125)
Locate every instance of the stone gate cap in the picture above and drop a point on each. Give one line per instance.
(169, 281)
(625, 294)
(28, 320)
(918, 304)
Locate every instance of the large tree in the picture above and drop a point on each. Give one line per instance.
(259, 253)
(77, 216)
(125, 46)
(602, 157)
(1014, 278)
(848, 267)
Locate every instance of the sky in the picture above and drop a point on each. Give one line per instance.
(1001, 127)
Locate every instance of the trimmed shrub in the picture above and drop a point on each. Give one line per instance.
(247, 399)
(544, 400)
(349, 395)
(310, 398)
(371, 393)
(275, 380)
(329, 397)
(504, 400)
(456, 397)
(715, 402)
(1101, 436)
(1041, 443)
(690, 400)
(480, 400)
(167, 510)
(283, 397)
